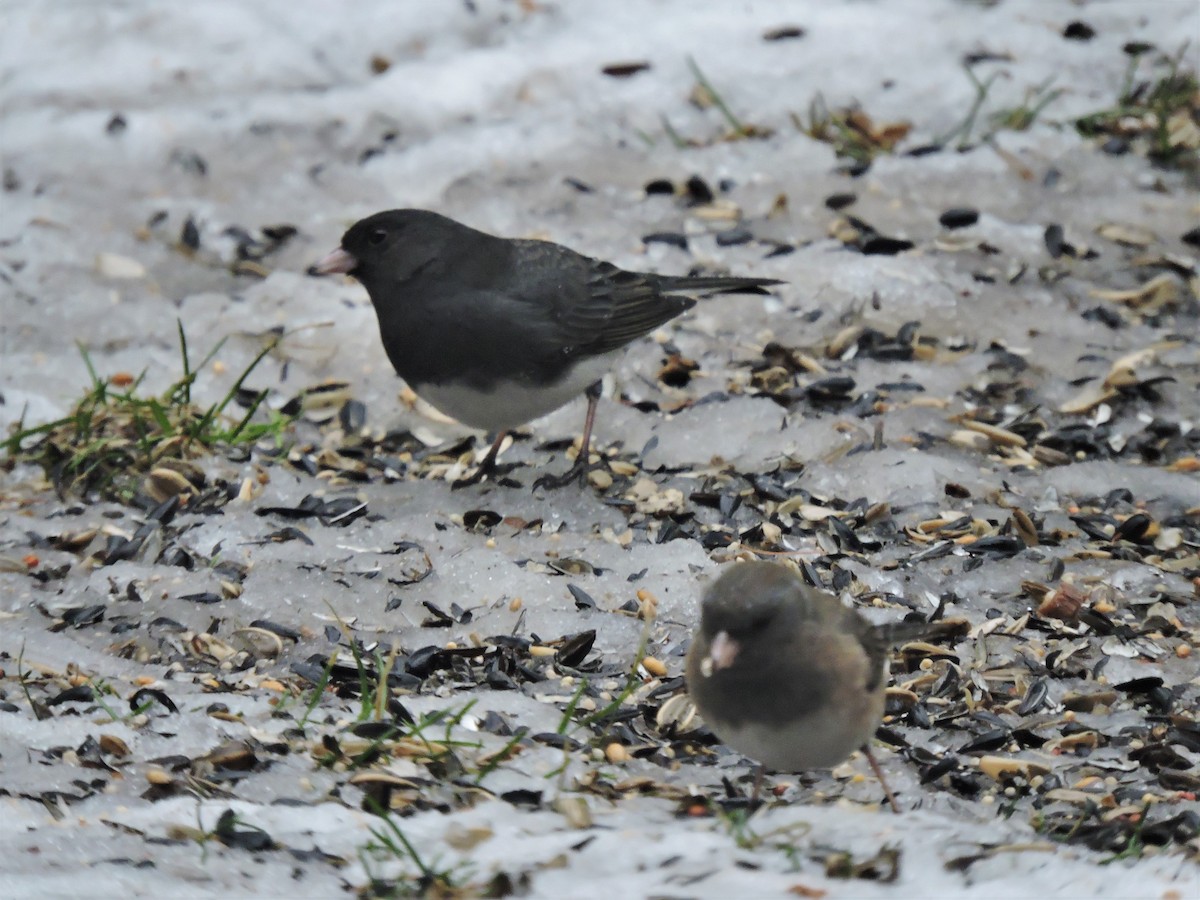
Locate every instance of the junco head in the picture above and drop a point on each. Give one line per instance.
(784, 672)
(497, 331)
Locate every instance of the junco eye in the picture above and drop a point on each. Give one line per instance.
(760, 622)
(377, 237)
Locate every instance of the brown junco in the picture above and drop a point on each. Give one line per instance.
(785, 673)
(496, 332)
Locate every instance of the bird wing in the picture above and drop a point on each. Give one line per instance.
(599, 307)
(621, 306)
(596, 307)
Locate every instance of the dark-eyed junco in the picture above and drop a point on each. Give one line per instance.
(496, 332)
(785, 673)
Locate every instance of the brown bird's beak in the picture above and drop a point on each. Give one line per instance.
(721, 653)
(339, 261)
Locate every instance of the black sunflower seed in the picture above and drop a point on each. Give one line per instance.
(959, 217)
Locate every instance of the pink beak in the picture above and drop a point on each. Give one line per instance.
(723, 651)
(339, 261)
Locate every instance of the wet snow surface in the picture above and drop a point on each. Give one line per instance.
(1022, 455)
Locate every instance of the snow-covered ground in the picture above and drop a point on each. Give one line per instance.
(123, 122)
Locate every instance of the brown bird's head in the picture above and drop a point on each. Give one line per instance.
(753, 604)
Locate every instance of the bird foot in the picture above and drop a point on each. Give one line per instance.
(576, 474)
(482, 473)
(474, 478)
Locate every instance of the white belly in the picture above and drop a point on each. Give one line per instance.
(818, 740)
(815, 742)
(512, 403)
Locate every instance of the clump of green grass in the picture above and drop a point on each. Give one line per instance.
(851, 132)
(1160, 113)
(856, 136)
(1015, 118)
(116, 434)
(1022, 117)
(705, 96)
(426, 878)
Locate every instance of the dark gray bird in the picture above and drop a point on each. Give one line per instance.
(496, 331)
(786, 674)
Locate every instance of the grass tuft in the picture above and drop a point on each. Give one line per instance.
(116, 433)
(852, 133)
(1160, 113)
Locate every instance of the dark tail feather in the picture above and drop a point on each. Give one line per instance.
(690, 285)
(898, 632)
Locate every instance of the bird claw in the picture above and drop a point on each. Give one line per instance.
(576, 474)
(466, 481)
(484, 472)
